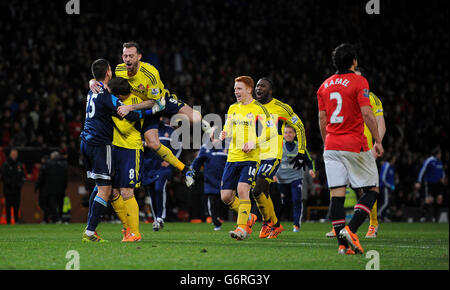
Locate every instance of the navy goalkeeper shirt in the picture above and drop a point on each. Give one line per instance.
(98, 126)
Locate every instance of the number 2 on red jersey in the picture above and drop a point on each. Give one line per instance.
(335, 118)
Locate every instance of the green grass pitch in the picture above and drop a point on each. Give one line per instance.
(186, 246)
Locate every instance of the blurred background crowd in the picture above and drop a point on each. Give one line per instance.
(199, 47)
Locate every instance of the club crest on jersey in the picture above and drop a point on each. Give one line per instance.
(270, 123)
(141, 87)
(249, 116)
(294, 119)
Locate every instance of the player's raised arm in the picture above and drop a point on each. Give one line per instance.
(95, 86)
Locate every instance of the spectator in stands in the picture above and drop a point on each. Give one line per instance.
(13, 178)
(43, 198)
(51, 185)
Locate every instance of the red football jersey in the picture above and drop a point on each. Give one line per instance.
(341, 96)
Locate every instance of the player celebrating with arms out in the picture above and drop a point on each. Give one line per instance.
(344, 107)
(146, 83)
(245, 119)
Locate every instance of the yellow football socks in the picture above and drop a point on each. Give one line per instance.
(133, 214)
(234, 205)
(373, 215)
(245, 207)
(120, 209)
(167, 155)
(264, 207)
(273, 216)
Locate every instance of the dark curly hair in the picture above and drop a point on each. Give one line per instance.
(343, 56)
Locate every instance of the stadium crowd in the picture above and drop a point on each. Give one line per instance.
(199, 47)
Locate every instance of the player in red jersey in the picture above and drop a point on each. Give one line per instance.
(344, 107)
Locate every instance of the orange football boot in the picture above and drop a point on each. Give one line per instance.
(265, 229)
(275, 231)
(352, 239)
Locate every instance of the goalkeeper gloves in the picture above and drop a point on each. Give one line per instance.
(159, 106)
(189, 175)
(299, 161)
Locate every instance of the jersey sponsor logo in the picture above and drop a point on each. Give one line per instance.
(250, 116)
(241, 123)
(270, 123)
(294, 119)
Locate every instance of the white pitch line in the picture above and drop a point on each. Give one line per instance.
(377, 246)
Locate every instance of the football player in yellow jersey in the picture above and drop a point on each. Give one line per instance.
(146, 83)
(127, 156)
(245, 119)
(377, 108)
(271, 154)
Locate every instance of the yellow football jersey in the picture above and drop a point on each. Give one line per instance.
(282, 114)
(377, 108)
(146, 83)
(241, 126)
(128, 134)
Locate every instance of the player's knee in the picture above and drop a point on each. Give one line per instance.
(152, 139)
(127, 193)
(196, 116)
(153, 143)
(104, 192)
(115, 194)
(226, 197)
(243, 190)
